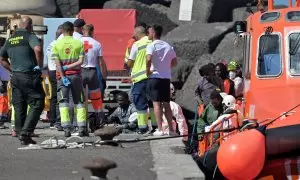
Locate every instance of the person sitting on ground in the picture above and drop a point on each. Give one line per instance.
(207, 83)
(125, 115)
(221, 71)
(211, 113)
(178, 117)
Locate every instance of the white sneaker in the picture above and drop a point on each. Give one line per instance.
(158, 133)
(171, 133)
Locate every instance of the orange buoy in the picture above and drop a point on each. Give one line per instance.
(242, 156)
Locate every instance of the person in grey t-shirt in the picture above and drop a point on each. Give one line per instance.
(125, 115)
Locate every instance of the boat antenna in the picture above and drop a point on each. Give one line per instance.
(260, 6)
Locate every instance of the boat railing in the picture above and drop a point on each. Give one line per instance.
(212, 139)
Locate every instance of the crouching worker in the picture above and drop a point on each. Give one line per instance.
(211, 113)
(229, 103)
(125, 115)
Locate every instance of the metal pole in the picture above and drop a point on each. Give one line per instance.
(290, 3)
(270, 4)
(86, 106)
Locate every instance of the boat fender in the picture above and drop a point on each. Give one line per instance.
(243, 155)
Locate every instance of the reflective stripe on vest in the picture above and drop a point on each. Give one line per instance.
(138, 72)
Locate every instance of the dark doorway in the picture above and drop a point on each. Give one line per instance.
(91, 4)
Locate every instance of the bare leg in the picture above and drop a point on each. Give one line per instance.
(158, 114)
(168, 114)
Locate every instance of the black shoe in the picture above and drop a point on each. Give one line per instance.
(27, 141)
(142, 131)
(83, 133)
(58, 127)
(67, 133)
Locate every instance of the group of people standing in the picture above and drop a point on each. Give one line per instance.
(151, 60)
(73, 59)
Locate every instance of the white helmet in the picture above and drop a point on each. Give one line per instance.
(229, 101)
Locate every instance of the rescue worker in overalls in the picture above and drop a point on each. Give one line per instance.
(137, 61)
(26, 60)
(93, 57)
(68, 54)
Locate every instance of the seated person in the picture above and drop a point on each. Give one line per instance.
(178, 117)
(125, 115)
(211, 112)
(229, 103)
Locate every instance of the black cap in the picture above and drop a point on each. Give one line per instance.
(79, 23)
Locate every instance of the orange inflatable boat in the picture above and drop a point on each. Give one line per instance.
(267, 145)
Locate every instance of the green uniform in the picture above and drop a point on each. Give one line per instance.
(68, 50)
(17, 46)
(209, 115)
(26, 82)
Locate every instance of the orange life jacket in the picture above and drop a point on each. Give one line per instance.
(227, 86)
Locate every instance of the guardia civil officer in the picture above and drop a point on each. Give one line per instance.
(24, 50)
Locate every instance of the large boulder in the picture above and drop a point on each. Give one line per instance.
(68, 8)
(35, 7)
(181, 72)
(155, 14)
(191, 41)
(231, 47)
(208, 10)
(240, 14)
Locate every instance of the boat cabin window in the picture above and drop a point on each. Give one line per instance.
(294, 51)
(269, 60)
(269, 16)
(293, 16)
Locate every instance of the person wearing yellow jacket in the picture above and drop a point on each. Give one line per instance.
(69, 54)
(137, 63)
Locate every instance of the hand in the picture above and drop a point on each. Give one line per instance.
(37, 68)
(65, 81)
(149, 72)
(65, 68)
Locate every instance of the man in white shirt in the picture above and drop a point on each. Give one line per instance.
(160, 58)
(78, 28)
(54, 112)
(93, 58)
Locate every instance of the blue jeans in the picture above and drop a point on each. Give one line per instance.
(139, 95)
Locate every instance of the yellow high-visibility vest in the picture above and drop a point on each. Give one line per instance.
(138, 72)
